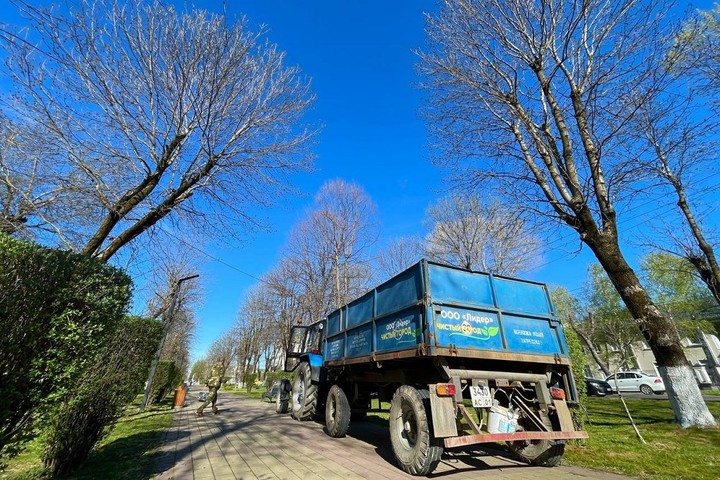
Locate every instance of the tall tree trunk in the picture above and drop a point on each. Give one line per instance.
(659, 333)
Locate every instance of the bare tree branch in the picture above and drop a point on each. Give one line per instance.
(154, 113)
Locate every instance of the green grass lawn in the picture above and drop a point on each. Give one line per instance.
(255, 393)
(670, 452)
(126, 453)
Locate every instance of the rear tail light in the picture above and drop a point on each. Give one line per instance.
(445, 389)
(557, 393)
(658, 380)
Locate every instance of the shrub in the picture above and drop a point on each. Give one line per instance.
(167, 377)
(272, 377)
(249, 380)
(579, 363)
(117, 375)
(56, 312)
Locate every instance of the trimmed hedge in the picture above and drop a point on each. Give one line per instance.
(118, 374)
(167, 377)
(57, 310)
(272, 377)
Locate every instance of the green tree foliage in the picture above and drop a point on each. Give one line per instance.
(611, 322)
(200, 370)
(272, 377)
(57, 309)
(696, 53)
(568, 308)
(577, 357)
(114, 380)
(249, 380)
(673, 284)
(167, 377)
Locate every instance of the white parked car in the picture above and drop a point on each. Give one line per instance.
(636, 381)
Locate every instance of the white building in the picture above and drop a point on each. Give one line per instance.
(703, 355)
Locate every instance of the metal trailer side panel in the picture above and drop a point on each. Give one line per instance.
(387, 319)
(434, 308)
(478, 311)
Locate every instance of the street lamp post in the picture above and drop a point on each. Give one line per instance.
(166, 326)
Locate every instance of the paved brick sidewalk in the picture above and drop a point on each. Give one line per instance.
(248, 440)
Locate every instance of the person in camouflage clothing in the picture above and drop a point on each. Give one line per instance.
(214, 382)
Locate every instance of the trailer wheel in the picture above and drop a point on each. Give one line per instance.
(304, 394)
(416, 451)
(282, 399)
(337, 412)
(542, 453)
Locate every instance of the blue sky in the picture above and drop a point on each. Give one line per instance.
(360, 58)
(361, 61)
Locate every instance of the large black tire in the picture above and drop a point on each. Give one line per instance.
(337, 412)
(304, 395)
(646, 389)
(416, 451)
(283, 398)
(541, 453)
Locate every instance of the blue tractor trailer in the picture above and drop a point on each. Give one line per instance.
(463, 358)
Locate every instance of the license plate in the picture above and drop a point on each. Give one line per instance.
(481, 397)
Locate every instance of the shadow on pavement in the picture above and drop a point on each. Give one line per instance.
(456, 460)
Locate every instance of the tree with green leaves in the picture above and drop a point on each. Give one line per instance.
(608, 319)
(572, 313)
(90, 409)
(673, 283)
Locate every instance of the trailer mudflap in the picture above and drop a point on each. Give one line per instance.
(510, 437)
(443, 414)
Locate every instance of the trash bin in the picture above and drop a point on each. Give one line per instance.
(180, 392)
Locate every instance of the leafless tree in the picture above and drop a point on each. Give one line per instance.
(150, 114)
(398, 255)
(534, 97)
(328, 250)
(308, 265)
(223, 347)
(672, 147)
(286, 293)
(182, 324)
(473, 233)
(344, 217)
(253, 331)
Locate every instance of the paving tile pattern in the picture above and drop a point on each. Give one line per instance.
(248, 440)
